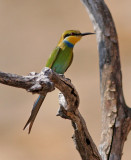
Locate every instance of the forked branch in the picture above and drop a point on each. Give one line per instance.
(46, 81)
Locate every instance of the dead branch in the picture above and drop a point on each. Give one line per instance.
(116, 116)
(44, 82)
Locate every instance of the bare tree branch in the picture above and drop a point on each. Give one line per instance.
(45, 82)
(83, 141)
(34, 82)
(116, 116)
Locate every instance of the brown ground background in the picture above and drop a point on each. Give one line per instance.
(29, 31)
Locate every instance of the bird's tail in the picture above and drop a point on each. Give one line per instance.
(35, 109)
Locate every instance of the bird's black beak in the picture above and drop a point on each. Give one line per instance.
(84, 34)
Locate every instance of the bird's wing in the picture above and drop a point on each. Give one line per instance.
(69, 63)
(53, 57)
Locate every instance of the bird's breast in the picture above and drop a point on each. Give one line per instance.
(63, 61)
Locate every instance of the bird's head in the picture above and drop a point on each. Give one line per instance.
(72, 36)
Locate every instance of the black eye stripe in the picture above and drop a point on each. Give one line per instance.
(71, 34)
(67, 35)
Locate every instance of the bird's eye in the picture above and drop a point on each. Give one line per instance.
(73, 34)
(66, 35)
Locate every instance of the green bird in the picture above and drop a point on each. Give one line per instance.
(59, 61)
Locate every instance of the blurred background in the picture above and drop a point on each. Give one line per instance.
(29, 31)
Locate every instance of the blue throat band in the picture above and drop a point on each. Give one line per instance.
(70, 45)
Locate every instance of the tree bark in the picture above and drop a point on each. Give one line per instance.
(44, 82)
(116, 116)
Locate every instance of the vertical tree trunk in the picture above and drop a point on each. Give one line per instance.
(116, 116)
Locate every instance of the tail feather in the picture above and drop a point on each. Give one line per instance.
(34, 112)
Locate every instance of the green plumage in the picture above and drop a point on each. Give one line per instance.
(60, 59)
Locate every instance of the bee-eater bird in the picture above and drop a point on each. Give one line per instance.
(59, 61)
